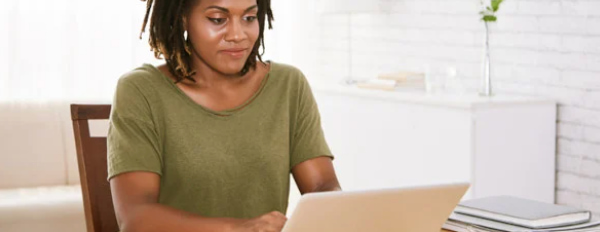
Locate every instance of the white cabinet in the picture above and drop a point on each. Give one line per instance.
(501, 145)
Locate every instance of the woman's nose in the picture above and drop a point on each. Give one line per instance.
(235, 32)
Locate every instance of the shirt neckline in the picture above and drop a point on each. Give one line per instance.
(223, 114)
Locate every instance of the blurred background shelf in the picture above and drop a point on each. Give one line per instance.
(503, 145)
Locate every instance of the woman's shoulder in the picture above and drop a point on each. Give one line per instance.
(283, 68)
(143, 75)
(286, 72)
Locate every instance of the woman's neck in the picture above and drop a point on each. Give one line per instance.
(207, 76)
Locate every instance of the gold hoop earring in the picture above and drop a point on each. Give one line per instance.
(186, 43)
(187, 48)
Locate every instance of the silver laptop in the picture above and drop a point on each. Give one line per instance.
(415, 209)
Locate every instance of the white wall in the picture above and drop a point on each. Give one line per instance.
(548, 48)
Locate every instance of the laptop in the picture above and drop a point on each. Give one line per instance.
(414, 209)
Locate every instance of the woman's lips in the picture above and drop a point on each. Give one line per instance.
(236, 52)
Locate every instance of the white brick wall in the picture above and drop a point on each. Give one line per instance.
(548, 48)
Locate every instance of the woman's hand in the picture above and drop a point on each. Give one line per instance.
(270, 222)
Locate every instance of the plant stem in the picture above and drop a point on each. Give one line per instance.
(487, 82)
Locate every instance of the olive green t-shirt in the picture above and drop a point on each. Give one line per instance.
(233, 163)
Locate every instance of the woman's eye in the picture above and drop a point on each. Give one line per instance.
(250, 18)
(217, 21)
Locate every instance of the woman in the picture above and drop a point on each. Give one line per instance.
(207, 141)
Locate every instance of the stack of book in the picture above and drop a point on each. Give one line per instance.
(505, 213)
(396, 82)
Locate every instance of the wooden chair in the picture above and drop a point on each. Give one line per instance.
(91, 158)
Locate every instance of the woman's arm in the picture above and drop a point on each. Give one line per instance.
(316, 175)
(135, 197)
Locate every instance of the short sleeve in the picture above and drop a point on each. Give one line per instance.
(308, 139)
(132, 142)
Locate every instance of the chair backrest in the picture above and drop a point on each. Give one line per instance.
(91, 158)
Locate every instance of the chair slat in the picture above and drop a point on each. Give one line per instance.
(91, 158)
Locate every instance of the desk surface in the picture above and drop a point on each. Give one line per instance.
(462, 101)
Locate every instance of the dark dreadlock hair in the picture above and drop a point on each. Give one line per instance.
(167, 35)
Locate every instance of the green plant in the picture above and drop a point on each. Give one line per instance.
(489, 14)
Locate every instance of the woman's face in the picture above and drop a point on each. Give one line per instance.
(223, 32)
